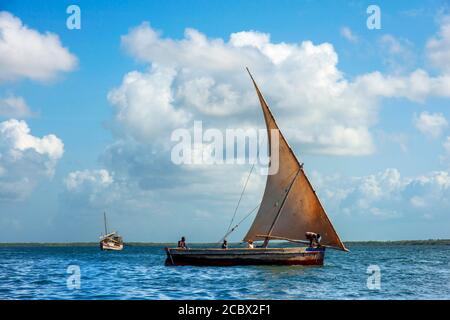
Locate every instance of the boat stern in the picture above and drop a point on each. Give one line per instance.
(169, 259)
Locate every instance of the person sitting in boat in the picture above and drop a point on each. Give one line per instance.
(182, 243)
(250, 244)
(314, 238)
(225, 244)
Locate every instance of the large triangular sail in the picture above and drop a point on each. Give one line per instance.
(290, 206)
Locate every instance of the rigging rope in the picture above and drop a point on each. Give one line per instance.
(240, 198)
(248, 215)
(242, 220)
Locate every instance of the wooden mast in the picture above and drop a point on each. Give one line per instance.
(266, 241)
(104, 218)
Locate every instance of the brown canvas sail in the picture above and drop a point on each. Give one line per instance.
(290, 206)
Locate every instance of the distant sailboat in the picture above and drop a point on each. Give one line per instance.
(110, 241)
(290, 210)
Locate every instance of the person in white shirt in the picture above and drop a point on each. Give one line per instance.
(250, 244)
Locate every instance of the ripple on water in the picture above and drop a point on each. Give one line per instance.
(407, 272)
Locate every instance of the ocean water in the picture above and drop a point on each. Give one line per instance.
(138, 272)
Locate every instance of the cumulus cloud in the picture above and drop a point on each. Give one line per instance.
(319, 109)
(438, 47)
(94, 178)
(25, 159)
(347, 33)
(430, 124)
(27, 53)
(386, 194)
(90, 188)
(17, 139)
(14, 107)
(144, 105)
(208, 81)
(415, 86)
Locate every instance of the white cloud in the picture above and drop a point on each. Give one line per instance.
(438, 47)
(16, 137)
(209, 82)
(144, 105)
(26, 53)
(210, 98)
(91, 191)
(14, 107)
(386, 194)
(347, 33)
(430, 124)
(416, 86)
(25, 159)
(95, 178)
(94, 189)
(316, 106)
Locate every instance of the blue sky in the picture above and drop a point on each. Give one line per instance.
(366, 110)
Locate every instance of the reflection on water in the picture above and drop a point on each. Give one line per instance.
(407, 272)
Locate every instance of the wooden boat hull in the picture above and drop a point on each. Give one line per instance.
(244, 256)
(110, 246)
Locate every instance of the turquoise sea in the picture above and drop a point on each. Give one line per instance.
(138, 272)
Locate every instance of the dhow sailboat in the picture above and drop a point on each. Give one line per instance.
(290, 210)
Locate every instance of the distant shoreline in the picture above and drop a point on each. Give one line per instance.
(162, 244)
